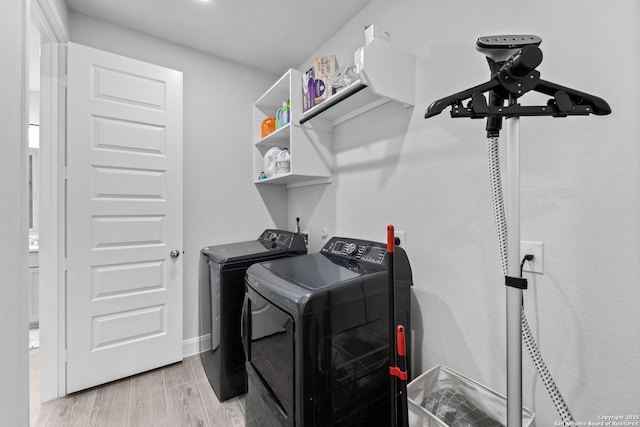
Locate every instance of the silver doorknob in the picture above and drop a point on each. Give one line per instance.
(174, 253)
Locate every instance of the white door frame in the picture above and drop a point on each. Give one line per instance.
(52, 271)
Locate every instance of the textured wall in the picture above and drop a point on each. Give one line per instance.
(14, 364)
(221, 203)
(580, 196)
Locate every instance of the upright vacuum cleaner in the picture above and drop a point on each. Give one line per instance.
(513, 60)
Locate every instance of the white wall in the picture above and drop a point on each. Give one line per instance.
(34, 107)
(221, 203)
(14, 391)
(580, 196)
(61, 12)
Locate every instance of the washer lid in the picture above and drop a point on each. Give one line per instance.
(253, 250)
(317, 271)
(312, 282)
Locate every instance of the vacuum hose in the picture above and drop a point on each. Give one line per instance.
(527, 336)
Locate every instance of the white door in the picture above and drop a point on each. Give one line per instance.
(124, 217)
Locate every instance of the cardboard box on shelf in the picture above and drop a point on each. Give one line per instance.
(308, 89)
(323, 89)
(326, 66)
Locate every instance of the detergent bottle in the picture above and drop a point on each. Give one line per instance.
(268, 126)
(283, 162)
(270, 161)
(286, 111)
(279, 118)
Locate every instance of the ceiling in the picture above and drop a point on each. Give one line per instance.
(271, 35)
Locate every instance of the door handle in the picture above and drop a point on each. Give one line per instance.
(174, 253)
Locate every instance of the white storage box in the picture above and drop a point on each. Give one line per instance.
(459, 400)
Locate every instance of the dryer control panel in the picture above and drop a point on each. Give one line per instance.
(282, 238)
(362, 250)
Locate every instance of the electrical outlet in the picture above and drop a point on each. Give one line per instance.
(324, 233)
(402, 236)
(536, 265)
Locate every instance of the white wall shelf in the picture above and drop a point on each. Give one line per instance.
(279, 138)
(293, 181)
(386, 74)
(310, 148)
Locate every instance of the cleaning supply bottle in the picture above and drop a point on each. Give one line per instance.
(279, 123)
(286, 114)
(283, 162)
(268, 126)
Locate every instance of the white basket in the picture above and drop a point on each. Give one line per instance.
(440, 377)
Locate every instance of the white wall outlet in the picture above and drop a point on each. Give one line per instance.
(537, 250)
(324, 233)
(403, 238)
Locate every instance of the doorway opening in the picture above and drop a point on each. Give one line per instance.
(46, 34)
(34, 183)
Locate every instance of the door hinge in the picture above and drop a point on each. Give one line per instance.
(64, 264)
(65, 172)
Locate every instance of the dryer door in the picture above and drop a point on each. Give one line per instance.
(268, 339)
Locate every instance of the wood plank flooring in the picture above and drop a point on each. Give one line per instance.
(174, 396)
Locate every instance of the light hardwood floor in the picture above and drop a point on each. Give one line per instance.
(174, 396)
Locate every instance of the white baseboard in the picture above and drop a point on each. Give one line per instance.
(192, 346)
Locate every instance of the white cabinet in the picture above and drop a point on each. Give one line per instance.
(34, 296)
(386, 74)
(309, 147)
(34, 289)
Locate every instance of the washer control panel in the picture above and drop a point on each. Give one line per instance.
(277, 237)
(363, 250)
